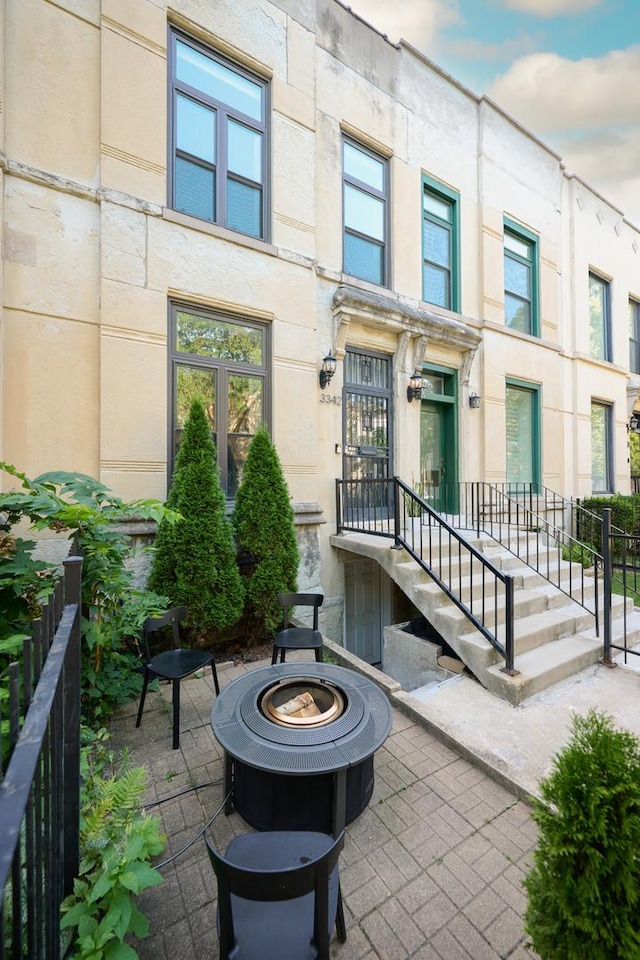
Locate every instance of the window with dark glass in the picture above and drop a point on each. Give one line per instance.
(520, 279)
(365, 213)
(601, 448)
(634, 336)
(440, 242)
(218, 139)
(599, 318)
(224, 362)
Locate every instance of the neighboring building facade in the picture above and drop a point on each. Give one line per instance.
(211, 197)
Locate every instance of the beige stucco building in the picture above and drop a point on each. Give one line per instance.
(212, 197)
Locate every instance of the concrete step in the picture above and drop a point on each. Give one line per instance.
(554, 635)
(540, 668)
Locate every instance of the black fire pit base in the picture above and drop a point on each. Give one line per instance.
(305, 778)
(269, 801)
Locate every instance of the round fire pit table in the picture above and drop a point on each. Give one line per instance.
(298, 741)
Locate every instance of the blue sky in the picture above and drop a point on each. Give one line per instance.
(568, 70)
(489, 36)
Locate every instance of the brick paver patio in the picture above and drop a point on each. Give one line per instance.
(431, 870)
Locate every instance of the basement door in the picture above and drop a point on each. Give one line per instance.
(366, 605)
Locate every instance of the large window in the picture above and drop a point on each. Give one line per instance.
(440, 241)
(601, 450)
(365, 205)
(520, 279)
(634, 336)
(224, 362)
(218, 139)
(599, 318)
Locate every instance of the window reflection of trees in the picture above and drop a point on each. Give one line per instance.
(208, 337)
(233, 399)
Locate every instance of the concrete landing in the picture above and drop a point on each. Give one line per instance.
(517, 743)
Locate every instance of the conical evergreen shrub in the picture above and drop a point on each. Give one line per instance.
(195, 562)
(264, 528)
(584, 886)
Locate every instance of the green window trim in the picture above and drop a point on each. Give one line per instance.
(529, 266)
(441, 194)
(535, 393)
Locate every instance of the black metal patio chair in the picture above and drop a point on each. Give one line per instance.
(278, 895)
(174, 664)
(298, 638)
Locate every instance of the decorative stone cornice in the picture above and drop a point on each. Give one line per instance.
(415, 327)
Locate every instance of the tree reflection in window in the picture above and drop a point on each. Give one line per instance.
(223, 362)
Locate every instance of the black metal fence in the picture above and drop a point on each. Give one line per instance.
(40, 788)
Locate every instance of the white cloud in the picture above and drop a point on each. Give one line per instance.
(417, 21)
(608, 161)
(551, 8)
(548, 93)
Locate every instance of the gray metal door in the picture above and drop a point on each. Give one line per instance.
(363, 614)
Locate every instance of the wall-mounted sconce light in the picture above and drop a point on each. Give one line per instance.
(414, 390)
(634, 423)
(328, 370)
(474, 400)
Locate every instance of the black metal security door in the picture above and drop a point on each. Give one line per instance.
(367, 441)
(366, 432)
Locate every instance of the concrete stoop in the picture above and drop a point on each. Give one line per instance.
(555, 636)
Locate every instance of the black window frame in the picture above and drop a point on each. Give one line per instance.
(223, 368)
(223, 112)
(382, 195)
(608, 463)
(634, 336)
(607, 357)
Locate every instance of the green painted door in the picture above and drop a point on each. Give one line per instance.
(438, 442)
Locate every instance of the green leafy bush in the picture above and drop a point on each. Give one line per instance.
(195, 561)
(625, 515)
(116, 842)
(584, 886)
(265, 532)
(113, 610)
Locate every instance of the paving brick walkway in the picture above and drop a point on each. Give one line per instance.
(431, 870)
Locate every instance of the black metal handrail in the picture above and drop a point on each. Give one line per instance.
(570, 564)
(390, 508)
(40, 790)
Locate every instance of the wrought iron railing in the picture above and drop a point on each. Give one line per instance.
(482, 591)
(40, 788)
(557, 537)
(570, 564)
